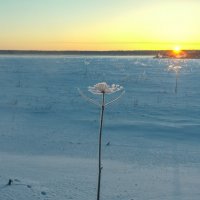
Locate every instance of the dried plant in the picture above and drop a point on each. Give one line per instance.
(101, 89)
(176, 69)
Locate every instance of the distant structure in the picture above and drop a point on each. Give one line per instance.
(182, 54)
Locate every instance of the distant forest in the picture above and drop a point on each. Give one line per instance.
(190, 53)
(112, 53)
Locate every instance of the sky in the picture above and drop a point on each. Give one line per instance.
(99, 24)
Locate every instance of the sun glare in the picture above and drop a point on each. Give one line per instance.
(177, 49)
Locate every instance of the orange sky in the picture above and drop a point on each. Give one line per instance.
(99, 25)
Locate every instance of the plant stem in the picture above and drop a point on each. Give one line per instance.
(176, 87)
(100, 137)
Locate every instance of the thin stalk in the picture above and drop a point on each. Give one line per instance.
(176, 87)
(100, 137)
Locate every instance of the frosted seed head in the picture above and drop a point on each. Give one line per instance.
(174, 68)
(103, 87)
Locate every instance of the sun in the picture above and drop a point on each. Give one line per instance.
(177, 49)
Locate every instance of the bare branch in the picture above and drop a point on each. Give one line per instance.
(87, 98)
(115, 99)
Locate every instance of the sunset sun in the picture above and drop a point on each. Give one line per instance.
(177, 49)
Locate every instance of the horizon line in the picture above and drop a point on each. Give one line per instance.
(110, 50)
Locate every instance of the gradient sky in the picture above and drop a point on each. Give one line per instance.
(99, 24)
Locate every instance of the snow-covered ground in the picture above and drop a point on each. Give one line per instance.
(48, 133)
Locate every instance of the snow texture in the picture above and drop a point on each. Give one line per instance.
(49, 134)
